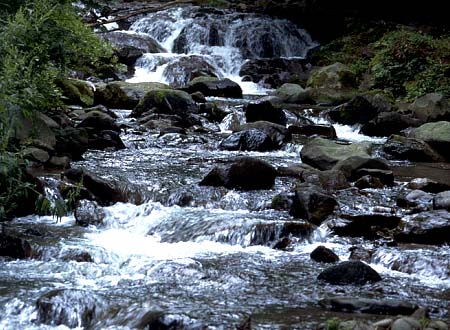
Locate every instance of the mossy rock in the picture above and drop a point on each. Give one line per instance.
(166, 101)
(332, 84)
(124, 95)
(292, 93)
(437, 135)
(77, 92)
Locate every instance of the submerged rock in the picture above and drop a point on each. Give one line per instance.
(245, 173)
(88, 213)
(349, 273)
(370, 306)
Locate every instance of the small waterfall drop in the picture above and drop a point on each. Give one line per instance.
(215, 43)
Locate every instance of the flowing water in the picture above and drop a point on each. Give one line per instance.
(208, 263)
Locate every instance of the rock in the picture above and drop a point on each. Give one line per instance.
(36, 130)
(244, 173)
(277, 133)
(282, 202)
(325, 131)
(105, 192)
(431, 107)
(329, 180)
(364, 225)
(359, 110)
(166, 101)
(70, 307)
(414, 199)
(312, 204)
(99, 121)
(35, 155)
(360, 253)
(405, 323)
(155, 320)
(323, 254)
(78, 92)
(436, 134)
(294, 170)
(349, 273)
(72, 142)
(324, 154)
(293, 93)
(437, 325)
(87, 213)
(249, 140)
(442, 201)
(129, 47)
(105, 140)
(59, 162)
(429, 227)
(124, 95)
(355, 167)
(388, 123)
(370, 306)
(187, 68)
(272, 234)
(77, 256)
(210, 86)
(368, 182)
(411, 149)
(428, 185)
(332, 84)
(264, 111)
(14, 247)
(200, 98)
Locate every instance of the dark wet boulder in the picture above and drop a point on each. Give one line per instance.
(428, 185)
(105, 140)
(124, 95)
(272, 234)
(129, 47)
(417, 199)
(105, 192)
(166, 101)
(363, 225)
(359, 110)
(293, 93)
(355, 167)
(370, 306)
(358, 252)
(430, 107)
(88, 213)
(248, 140)
(388, 123)
(324, 154)
(277, 133)
(245, 173)
(72, 142)
(332, 84)
(442, 201)
(436, 134)
(99, 121)
(70, 307)
(325, 131)
(369, 182)
(323, 254)
(349, 273)
(264, 111)
(430, 227)
(76, 255)
(313, 204)
(187, 68)
(411, 149)
(210, 86)
(14, 247)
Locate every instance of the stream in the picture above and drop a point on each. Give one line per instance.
(209, 263)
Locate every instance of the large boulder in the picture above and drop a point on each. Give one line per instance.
(364, 225)
(430, 227)
(332, 84)
(124, 95)
(355, 167)
(210, 86)
(349, 273)
(72, 142)
(325, 131)
(78, 92)
(278, 133)
(323, 254)
(166, 101)
(245, 173)
(313, 204)
(360, 109)
(411, 149)
(99, 121)
(436, 134)
(264, 111)
(387, 123)
(186, 68)
(431, 107)
(442, 201)
(129, 47)
(248, 140)
(324, 154)
(292, 93)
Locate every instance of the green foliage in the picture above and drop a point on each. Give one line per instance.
(410, 64)
(333, 324)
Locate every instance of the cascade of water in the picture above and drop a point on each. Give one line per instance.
(218, 43)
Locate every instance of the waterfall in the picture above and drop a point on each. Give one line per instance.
(214, 42)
